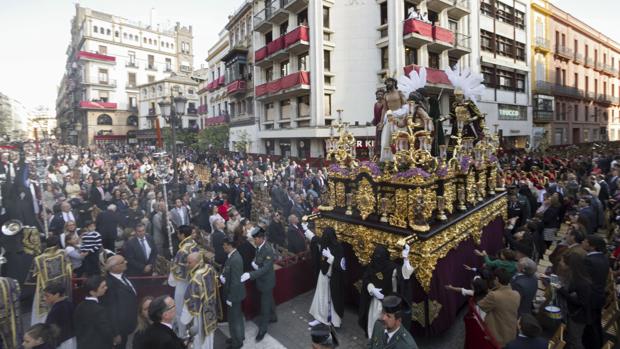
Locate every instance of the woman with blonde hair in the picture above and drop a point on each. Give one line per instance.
(143, 321)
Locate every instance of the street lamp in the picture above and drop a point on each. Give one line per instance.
(78, 129)
(161, 170)
(172, 116)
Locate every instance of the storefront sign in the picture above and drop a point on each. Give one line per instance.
(512, 112)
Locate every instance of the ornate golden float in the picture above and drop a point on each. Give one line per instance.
(432, 203)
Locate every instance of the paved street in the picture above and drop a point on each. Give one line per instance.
(292, 331)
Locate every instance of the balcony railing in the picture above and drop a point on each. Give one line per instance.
(97, 105)
(89, 55)
(443, 35)
(598, 65)
(415, 26)
(543, 43)
(557, 89)
(132, 65)
(433, 76)
(588, 62)
(543, 116)
(590, 95)
(578, 58)
(564, 51)
(216, 120)
(275, 46)
(462, 41)
(299, 34)
(603, 98)
(609, 69)
(286, 82)
(235, 87)
(192, 111)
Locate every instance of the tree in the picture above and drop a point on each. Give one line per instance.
(241, 142)
(213, 137)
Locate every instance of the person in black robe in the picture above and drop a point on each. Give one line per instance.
(379, 280)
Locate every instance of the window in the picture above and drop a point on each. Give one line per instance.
(130, 36)
(486, 40)
(302, 62)
(151, 62)
(132, 120)
(284, 28)
(411, 55)
(108, 32)
(284, 68)
(587, 84)
(116, 34)
(131, 79)
(327, 108)
(433, 60)
(587, 111)
(384, 12)
(104, 119)
(505, 80)
(95, 29)
(268, 74)
(103, 50)
(150, 41)
(520, 53)
(151, 78)
(488, 75)
(124, 35)
(486, 7)
(576, 112)
(103, 76)
(576, 80)
(325, 17)
(144, 39)
(168, 64)
(327, 63)
(132, 58)
(384, 58)
(133, 102)
(576, 46)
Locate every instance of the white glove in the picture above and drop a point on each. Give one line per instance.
(254, 265)
(229, 303)
(309, 235)
(222, 279)
(245, 277)
(304, 226)
(328, 254)
(376, 292)
(405, 252)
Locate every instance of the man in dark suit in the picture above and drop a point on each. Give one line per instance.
(97, 193)
(93, 329)
(265, 277)
(295, 235)
(234, 293)
(275, 231)
(603, 193)
(107, 225)
(597, 265)
(526, 283)
(159, 335)
(587, 212)
(217, 241)
(140, 252)
(120, 302)
(57, 225)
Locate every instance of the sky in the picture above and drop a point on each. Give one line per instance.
(35, 34)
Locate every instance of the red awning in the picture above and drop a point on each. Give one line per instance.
(261, 90)
(97, 105)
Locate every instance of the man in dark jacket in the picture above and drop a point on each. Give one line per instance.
(529, 335)
(120, 302)
(597, 267)
(275, 231)
(108, 222)
(526, 283)
(295, 235)
(587, 212)
(140, 252)
(234, 293)
(217, 242)
(93, 329)
(159, 335)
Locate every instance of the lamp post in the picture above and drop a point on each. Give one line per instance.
(78, 129)
(172, 113)
(161, 169)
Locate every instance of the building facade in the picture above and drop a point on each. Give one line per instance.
(44, 121)
(575, 69)
(503, 40)
(317, 62)
(214, 93)
(14, 119)
(107, 59)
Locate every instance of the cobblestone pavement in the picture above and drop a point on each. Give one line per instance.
(292, 331)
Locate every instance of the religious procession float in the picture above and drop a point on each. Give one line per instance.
(441, 195)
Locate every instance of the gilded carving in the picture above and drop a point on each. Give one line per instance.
(471, 187)
(365, 199)
(340, 194)
(332, 194)
(399, 217)
(449, 194)
(418, 312)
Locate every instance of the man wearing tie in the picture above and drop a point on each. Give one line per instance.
(265, 277)
(120, 301)
(140, 252)
(57, 224)
(179, 215)
(234, 293)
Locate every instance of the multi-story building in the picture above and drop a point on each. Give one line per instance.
(239, 83)
(152, 93)
(43, 121)
(503, 40)
(14, 117)
(321, 61)
(576, 90)
(213, 91)
(107, 59)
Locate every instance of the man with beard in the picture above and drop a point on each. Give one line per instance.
(328, 302)
(382, 278)
(377, 120)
